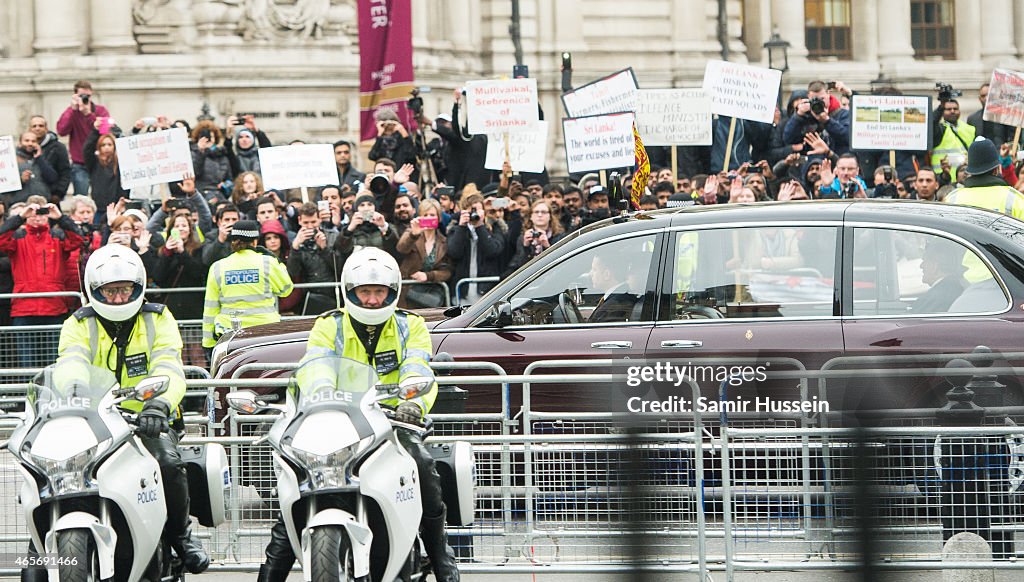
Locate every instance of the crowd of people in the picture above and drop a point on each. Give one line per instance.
(471, 223)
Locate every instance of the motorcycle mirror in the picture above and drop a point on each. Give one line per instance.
(243, 401)
(151, 387)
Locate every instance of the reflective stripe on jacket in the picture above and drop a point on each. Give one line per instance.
(243, 286)
(1004, 199)
(950, 145)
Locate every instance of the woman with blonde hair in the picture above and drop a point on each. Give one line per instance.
(248, 188)
(540, 231)
(100, 154)
(179, 263)
(424, 253)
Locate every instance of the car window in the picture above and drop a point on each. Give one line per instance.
(603, 284)
(899, 272)
(753, 272)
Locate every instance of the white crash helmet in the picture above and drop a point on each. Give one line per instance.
(110, 264)
(371, 266)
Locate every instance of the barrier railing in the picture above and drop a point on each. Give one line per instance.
(469, 281)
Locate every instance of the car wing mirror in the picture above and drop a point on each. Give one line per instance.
(501, 314)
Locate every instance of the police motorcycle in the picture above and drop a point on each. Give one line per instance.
(348, 491)
(91, 493)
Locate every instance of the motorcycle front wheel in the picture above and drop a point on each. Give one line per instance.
(78, 559)
(331, 555)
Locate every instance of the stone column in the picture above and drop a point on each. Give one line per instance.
(458, 14)
(997, 43)
(894, 33)
(58, 28)
(967, 17)
(1018, 28)
(420, 24)
(112, 23)
(788, 19)
(863, 16)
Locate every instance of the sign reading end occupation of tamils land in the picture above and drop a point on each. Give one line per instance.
(527, 150)
(666, 117)
(742, 91)
(611, 94)
(501, 106)
(10, 177)
(890, 122)
(295, 166)
(599, 142)
(152, 158)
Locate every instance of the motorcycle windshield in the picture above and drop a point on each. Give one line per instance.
(63, 388)
(332, 379)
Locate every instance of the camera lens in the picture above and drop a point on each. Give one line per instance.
(474, 216)
(818, 105)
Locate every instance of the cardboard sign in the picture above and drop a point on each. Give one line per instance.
(10, 177)
(611, 94)
(1005, 102)
(159, 157)
(527, 151)
(742, 91)
(666, 117)
(501, 106)
(890, 122)
(294, 166)
(599, 142)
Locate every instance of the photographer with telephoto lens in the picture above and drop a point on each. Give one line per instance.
(820, 113)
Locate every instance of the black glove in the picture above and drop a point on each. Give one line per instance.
(409, 413)
(153, 418)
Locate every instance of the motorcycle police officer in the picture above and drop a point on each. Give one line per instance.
(244, 286)
(120, 331)
(396, 343)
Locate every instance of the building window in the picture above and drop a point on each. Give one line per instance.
(828, 28)
(932, 28)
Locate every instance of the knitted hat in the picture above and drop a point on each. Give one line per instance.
(245, 230)
(273, 227)
(982, 157)
(364, 198)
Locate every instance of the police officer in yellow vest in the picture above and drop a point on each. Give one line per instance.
(984, 186)
(396, 343)
(951, 136)
(119, 331)
(244, 286)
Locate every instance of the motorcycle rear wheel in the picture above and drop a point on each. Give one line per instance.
(331, 555)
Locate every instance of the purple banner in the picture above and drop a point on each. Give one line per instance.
(385, 58)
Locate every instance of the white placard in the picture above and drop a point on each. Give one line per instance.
(611, 94)
(600, 142)
(501, 106)
(527, 151)
(742, 91)
(295, 166)
(666, 117)
(10, 177)
(890, 122)
(159, 157)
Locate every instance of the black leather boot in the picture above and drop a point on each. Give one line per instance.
(272, 573)
(191, 552)
(435, 542)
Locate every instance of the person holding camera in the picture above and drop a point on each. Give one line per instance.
(539, 233)
(75, 123)
(100, 154)
(474, 248)
(210, 162)
(423, 257)
(820, 113)
(951, 135)
(183, 197)
(316, 257)
(243, 154)
(179, 264)
(367, 228)
(55, 154)
(393, 142)
(33, 170)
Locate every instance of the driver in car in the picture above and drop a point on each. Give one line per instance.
(397, 344)
(611, 279)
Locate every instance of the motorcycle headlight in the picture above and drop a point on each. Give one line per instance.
(331, 470)
(70, 475)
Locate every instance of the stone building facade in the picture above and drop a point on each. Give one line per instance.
(295, 62)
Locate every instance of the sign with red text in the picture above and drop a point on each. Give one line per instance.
(501, 106)
(527, 150)
(295, 166)
(1005, 102)
(10, 177)
(599, 142)
(152, 158)
(890, 122)
(611, 94)
(666, 117)
(742, 91)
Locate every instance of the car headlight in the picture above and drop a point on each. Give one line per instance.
(331, 470)
(70, 475)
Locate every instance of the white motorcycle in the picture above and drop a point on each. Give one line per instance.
(92, 495)
(348, 491)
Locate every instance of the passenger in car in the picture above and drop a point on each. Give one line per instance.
(610, 278)
(944, 271)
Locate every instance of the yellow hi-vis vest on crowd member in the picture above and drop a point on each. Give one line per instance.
(403, 350)
(953, 147)
(243, 287)
(154, 349)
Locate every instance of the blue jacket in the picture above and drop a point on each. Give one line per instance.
(836, 132)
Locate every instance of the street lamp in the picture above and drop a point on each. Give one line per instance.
(778, 58)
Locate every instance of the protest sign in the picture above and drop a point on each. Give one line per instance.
(527, 151)
(611, 94)
(667, 117)
(742, 91)
(10, 177)
(294, 166)
(501, 106)
(890, 122)
(1005, 102)
(154, 158)
(599, 142)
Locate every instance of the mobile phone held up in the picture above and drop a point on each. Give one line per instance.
(428, 222)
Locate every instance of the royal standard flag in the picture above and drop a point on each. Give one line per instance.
(641, 172)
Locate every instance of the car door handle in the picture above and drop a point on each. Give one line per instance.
(612, 345)
(682, 344)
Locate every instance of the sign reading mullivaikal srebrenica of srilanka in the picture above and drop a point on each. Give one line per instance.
(742, 91)
(501, 106)
(1005, 103)
(890, 122)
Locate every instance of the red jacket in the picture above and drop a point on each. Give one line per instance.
(39, 258)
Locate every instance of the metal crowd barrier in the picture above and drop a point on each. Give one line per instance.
(469, 280)
(328, 285)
